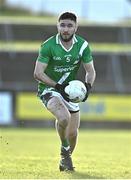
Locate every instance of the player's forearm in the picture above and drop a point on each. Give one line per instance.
(90, 77)
(45, 79)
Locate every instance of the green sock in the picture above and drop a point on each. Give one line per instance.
(65, 143)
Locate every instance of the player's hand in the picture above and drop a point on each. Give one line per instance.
(88, 88)
(61, 89)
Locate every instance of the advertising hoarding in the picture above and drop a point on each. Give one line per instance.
(97, 107)
(6, 113)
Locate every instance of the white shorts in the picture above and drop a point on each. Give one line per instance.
(72, 107)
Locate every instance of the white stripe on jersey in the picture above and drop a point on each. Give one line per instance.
(48, 39)
(63, 78)
(84, 45)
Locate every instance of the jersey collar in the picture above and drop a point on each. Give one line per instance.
(58, 41)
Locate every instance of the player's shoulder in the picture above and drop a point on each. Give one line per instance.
(80, 39)
(49, 42)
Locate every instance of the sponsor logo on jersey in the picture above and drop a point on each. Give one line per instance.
(64, 69)
(56, 58)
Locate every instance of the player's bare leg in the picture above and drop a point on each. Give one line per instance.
(57, 107)
(60, 111)
(72, 129)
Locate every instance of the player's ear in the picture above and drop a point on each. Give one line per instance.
(76, 27)
(58, 25)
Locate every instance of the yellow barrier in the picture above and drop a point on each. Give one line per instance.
(97, 107)
(28, 106)
(107, 107)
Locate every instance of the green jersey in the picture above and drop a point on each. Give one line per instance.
(63, 64)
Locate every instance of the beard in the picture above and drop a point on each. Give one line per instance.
(66, 40)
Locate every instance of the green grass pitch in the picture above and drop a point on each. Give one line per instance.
(34, 154)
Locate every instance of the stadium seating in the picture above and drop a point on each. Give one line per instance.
(113, 69)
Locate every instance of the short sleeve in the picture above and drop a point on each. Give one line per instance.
(44, 53)
(87, 55)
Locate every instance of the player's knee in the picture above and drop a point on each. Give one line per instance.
(63, 123)
(64, 119)
(56, 106)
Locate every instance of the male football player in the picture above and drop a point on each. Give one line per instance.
(58, 61)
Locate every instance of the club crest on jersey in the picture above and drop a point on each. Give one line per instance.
(68, 57)
(77, 60)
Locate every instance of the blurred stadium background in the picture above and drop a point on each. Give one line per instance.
(24, 25)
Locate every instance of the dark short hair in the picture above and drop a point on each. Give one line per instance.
(68, 15)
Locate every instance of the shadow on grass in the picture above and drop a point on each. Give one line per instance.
(82, 175)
